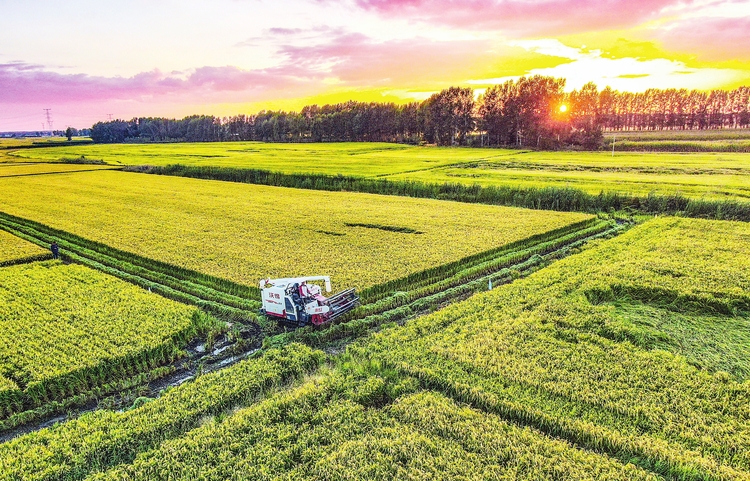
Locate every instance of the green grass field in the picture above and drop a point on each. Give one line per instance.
(708, 175)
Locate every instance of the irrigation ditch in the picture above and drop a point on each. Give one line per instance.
(247, 334)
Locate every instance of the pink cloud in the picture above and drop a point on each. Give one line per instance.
(306, 66)
(546, 17)
(356, 59)
(710, 38)
(23, 83)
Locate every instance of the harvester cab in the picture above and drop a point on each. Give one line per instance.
(295, 303)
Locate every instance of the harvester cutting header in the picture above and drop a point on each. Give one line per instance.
(295, 303)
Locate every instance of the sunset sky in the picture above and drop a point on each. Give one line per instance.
(85, 59)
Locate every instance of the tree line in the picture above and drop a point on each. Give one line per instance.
(530, 111)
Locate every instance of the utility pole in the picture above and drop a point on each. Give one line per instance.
(49, 119)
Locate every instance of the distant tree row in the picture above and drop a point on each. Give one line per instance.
(527, 112)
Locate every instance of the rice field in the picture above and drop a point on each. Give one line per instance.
(14, 250)
(709, 175)
(245, 232)
(626, 360)
(553, 351)
(539, 379)
(65, 329)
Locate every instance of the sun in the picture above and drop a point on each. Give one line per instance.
(563, 108)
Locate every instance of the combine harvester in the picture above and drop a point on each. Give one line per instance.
(295, 303)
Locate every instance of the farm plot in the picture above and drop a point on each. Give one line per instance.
(358, 158)
(65, 329)
(556, 386)
(711, 176)
(244, 233)
(555, 352)
(714, 175)
(335, 425)
(14, 250)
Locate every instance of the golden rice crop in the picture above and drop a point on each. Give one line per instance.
(102, 439)
(247, 232)
(539, 351)
(67, 328)
(318, 431)
(14, 250)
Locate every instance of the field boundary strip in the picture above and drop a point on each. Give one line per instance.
(26, 260)
(34, 174)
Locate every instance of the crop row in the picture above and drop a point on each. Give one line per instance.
(531, 352)
(14, 250)
(214, 294)
(103, 439)
(65, 329)
(318, 432)
(339, 424)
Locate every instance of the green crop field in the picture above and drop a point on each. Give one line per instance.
(710, 175)
(580, 371)
(609, 347)
(246, 232)
(65, 329)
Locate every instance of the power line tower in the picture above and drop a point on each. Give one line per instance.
(49, 118)
(109, 117)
